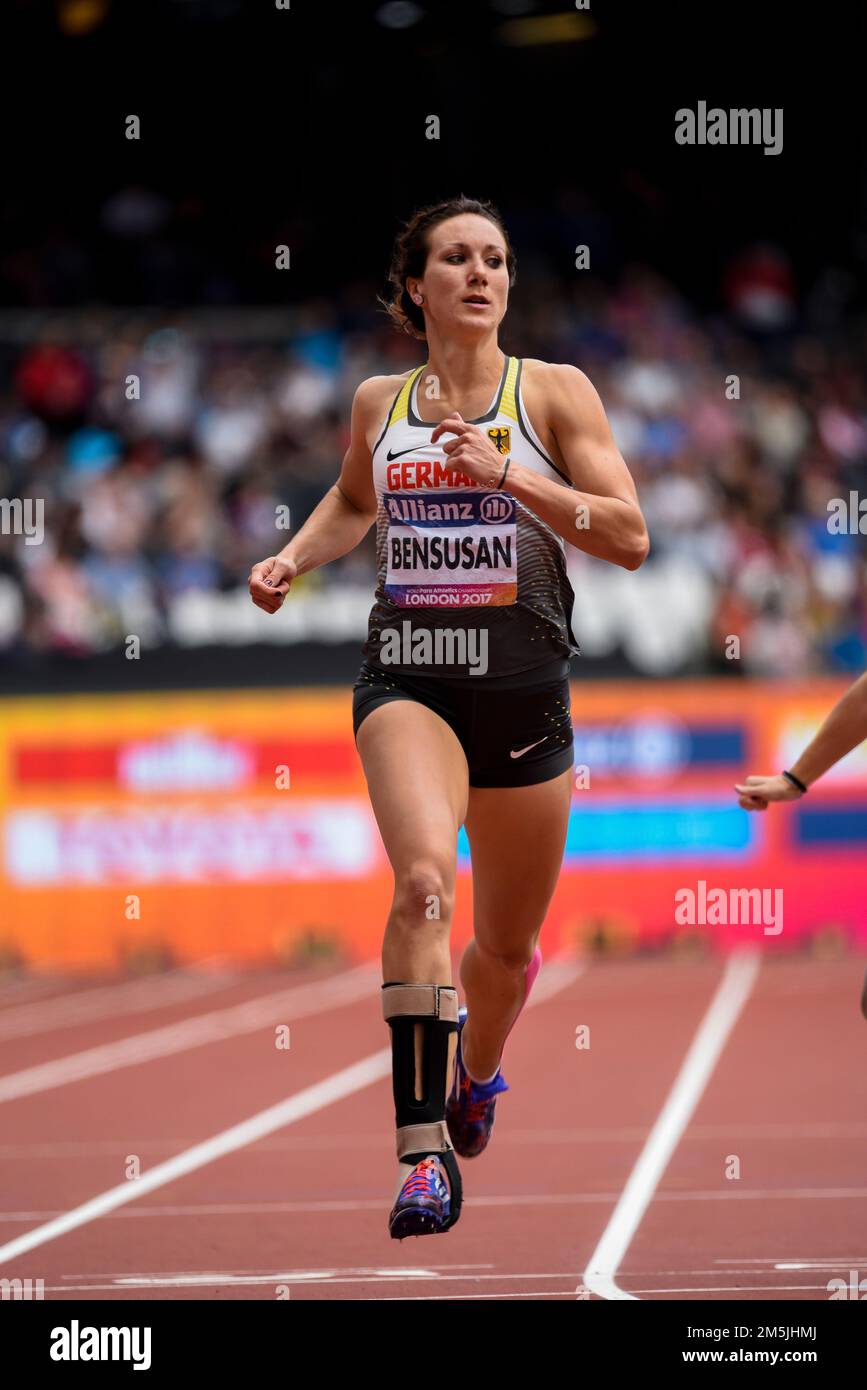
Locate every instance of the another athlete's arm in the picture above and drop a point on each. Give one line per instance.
(844, 728)
(341, 519)
(600, 514)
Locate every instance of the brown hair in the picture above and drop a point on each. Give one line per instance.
(410, 254)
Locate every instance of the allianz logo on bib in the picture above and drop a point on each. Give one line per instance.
(439, 509)
(465, 647)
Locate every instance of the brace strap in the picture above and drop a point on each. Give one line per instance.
(423, 1139)
(420, 1002)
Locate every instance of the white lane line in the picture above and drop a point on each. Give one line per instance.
(773, 1260)
(562, 970)
(298, 1002)
(325, 1276)
(570, 1293)
(391, 1298)
(286, 1112)
(113, 1279)
(334, 1088)
(784, 1132)
(31, 987)
(816, 1264)
(734, 989)
(293, 1003)
(107, 1001)
(468, 1297)
(518, 1199)
(292, 1143)
(730, 1290)
(380, 1272)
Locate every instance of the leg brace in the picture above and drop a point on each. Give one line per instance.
(420, 1076)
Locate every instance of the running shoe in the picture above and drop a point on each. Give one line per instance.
(470, 1105)
(423, 1205)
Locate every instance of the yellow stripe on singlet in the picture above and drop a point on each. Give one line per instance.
(508, 404)
(401, 405)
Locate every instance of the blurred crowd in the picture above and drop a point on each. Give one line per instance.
(167, 456)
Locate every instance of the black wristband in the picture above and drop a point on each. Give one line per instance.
(795, 781)
(505, 471)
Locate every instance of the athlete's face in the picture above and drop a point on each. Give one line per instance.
(465, 282)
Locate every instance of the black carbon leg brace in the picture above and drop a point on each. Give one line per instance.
(420, 1120)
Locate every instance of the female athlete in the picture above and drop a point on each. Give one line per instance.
(478, 469)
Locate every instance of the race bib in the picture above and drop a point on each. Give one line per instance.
(455, 549)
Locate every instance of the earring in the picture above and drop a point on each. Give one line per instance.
(419, 299)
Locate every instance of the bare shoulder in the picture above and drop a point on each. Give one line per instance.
(552, 381)
(559, 399)
(375, 390)
(373, 397)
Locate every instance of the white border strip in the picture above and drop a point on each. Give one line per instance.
(707, 1045)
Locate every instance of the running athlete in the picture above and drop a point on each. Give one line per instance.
(477, 468)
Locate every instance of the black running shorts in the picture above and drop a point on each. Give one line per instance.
(515, 730)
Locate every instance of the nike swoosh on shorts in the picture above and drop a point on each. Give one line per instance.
(522, 751)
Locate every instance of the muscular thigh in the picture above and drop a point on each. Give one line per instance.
(417, 777)
(517, 836)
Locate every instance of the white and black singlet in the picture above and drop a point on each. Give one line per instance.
(453, 555)
(472, 610)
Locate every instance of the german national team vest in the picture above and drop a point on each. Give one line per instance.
(451, 554)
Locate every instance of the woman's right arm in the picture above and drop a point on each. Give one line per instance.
(844, 728)
(345, 514)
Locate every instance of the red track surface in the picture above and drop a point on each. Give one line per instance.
(306, 1206)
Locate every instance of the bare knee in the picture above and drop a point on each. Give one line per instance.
(423, 895)
(512, 960)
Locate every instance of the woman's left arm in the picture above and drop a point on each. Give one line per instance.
(601, 515)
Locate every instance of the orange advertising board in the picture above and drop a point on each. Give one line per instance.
(237, 824)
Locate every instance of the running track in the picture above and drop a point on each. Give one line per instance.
(267, 1172)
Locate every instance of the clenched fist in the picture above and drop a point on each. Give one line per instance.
(270, 582)
(756, 792)
(471, 452)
